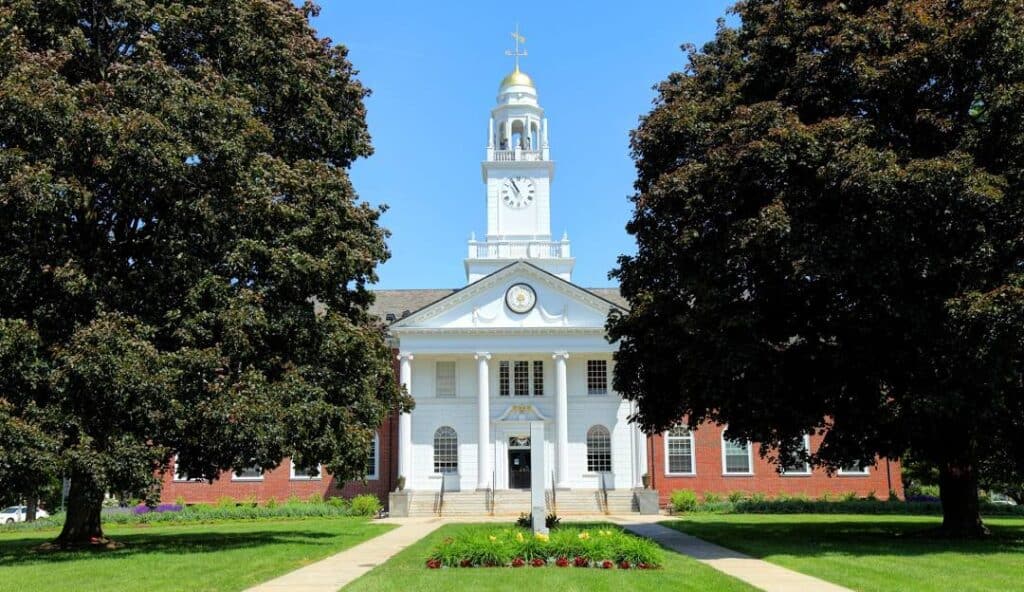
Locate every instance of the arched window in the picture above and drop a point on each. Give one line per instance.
(446, 450)
(679, 451)
(599, 450)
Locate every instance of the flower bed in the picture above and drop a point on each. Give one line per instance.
(604, 548)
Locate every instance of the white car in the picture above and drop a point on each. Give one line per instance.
(17, 514)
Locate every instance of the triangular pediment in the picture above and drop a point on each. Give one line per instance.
(518, 296)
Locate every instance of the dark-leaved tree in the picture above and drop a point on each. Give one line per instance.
(830, 226)
(174, 199)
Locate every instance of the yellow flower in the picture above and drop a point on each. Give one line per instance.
(584, 535)
(519, 537)
(541, 536)
(493, 538)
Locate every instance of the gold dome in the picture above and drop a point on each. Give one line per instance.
(516, 78)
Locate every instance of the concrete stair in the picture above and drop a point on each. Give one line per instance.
(515, 502)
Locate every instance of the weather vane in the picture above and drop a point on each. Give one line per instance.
(516, 53)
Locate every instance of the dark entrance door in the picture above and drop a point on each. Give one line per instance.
(519, 469)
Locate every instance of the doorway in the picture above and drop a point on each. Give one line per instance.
(519, 468)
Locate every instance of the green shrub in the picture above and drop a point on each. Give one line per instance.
(683, 500)
(314, 498)
(366, 504)
(482, 548)
(226, 501)
(271, 503)
(737, 496)
(338, 502)
(712, 498)
(526, 520)
(849, 496)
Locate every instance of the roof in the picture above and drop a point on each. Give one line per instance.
(399, 302)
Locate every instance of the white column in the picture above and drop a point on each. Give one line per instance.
(561, 421)
(490, 133)
(483, 404)
(405, 420)
(639, 452)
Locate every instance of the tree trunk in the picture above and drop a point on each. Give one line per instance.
(82, 524)
(958, 490)
(31, 505)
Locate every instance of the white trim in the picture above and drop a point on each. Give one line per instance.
(693, 454)
(376, 459)
(293, 477)
(175, 475)
(807, 466)
(750, 459)
(235, 477)
(864, 472)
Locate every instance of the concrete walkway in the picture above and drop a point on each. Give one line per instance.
(760, 574)
(329, 575)
(336, 571)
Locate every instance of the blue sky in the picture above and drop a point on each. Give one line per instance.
(434, 69)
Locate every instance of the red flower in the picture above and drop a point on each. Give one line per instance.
(581, 561)
(433, 563)
(466, 563)
(562, 562)
(537, 562)
(643, 566)
(623, 564)
(518, 562)
(607, 564)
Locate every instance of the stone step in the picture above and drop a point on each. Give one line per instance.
(513, 503)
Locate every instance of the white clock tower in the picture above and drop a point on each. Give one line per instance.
(518, 171)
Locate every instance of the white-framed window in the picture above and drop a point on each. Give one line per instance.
(737, 456)
(179, 475)
(373, 463)
(854, 470)
(597, 377)
(538, 378)
(795, 465)
(253, 473)
(679, 456)
(444, 379)
(599, 450)
(521, 378)
(305, 474)
(446, 450)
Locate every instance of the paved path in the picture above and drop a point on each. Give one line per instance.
(329, 575)
(760, 574)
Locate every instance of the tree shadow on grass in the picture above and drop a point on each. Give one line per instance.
(855, 538)
(23, 551)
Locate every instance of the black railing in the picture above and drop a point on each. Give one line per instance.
(554, 498)
(440, 499)
(604, 493)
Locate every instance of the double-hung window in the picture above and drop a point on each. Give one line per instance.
(679, 452)
(444, 379)
(796, 465)
(736, 456)
(597, 377)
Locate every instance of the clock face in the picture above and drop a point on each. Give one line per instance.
(520, 298)
(517, 192)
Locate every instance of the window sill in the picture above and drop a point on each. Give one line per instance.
(747, 474)
(694, 474)
(853, 474)
(243, 479)
(807, 474)
(305, 479)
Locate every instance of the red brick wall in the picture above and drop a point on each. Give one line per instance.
(766, 480)
(279, 485)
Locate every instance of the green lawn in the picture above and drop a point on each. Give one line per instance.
(872, 553)
(224, 556)
(407, 571)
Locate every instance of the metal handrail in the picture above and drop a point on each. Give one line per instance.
(440, 501)
(554, 498)
(604, 493)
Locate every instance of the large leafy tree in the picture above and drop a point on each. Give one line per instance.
(183, 261)
(830, 226)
